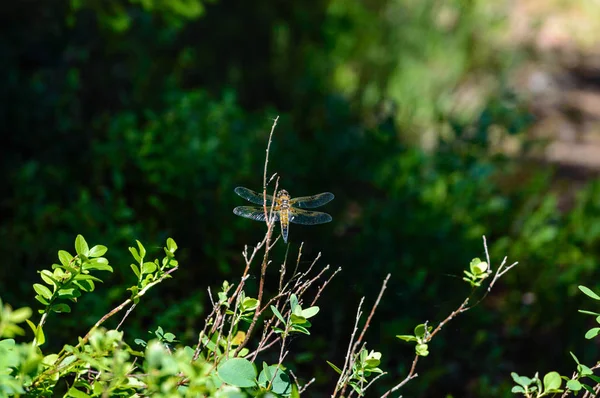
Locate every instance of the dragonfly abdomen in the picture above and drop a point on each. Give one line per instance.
(284, 218)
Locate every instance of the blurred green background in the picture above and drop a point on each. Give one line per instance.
(136, 119)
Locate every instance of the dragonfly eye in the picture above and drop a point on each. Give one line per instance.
(282, 192)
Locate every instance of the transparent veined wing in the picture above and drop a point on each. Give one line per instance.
(305, 217)
(310, 202)
(254, 213)
(252, 196)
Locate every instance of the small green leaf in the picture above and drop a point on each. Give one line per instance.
(278, 314)
(293, 302)
(171, 245)
(69, 293)
(37, 332)
(518, 389)
(588, 312)
(297, 320)
(552, 381)
(593, 332)
(574, 385)
(406, 337)
(135, 254)
(42, 291)
(249, 304)
(237, 372)
(420, 330)
(81, 246)
(301, 329)
(588, 292)
(595, 378)
(422, 350)
(65, 257)
(98, 251)
(280, 381)
(48, 277)
(148, 267)
(522, 380)
(59, 308)
(589, 389)
(338, 370)
(41, 300)
(20, 315)
(574, 357)
(75, 393)
(99, 264)
(135, 270)
(142, 249)
(310, 312)
(295, 392)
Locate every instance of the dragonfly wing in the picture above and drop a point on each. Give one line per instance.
(252, 196)
(298, 216)
(310, 202)
(253, 213)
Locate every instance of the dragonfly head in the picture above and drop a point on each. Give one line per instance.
(283, 193)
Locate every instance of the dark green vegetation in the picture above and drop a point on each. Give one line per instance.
(125, 122)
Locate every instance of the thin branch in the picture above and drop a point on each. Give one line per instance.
(324, 285)
(341, 381)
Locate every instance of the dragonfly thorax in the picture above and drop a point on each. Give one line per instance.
(283, 199)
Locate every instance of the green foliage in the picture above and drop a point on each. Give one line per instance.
(135, 119)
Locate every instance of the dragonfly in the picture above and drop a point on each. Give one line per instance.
(286, 209)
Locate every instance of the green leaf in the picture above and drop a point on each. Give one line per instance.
(48, 277)
(237, 372)
(552, 381)
(81, 246)
(37, 332)
(281, 383)
(295, 392)
(148, 267)
(593, 332)
(522, 380)
(301, 329)
(100, 264)
(86, 277)
(588, 292)
(171, 245)
(65, 257)
(98, 251)
(297, 320)
(406, 337)
(293, 302)
(278, 314)
(595, 378)
(249, 304)
(42, 291)
(589, 389)
(135, 254)
(518, 389)
(59, 308)
(41, 299)
(85, 285)
(69, 293)
(420, 330)
(574, 385)
(20, 315)
(422, 350)
(310, 312)
(75, 393)
(574, 357)
(588, 312)
(338, 370)
(142, 248)
(135, 270)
